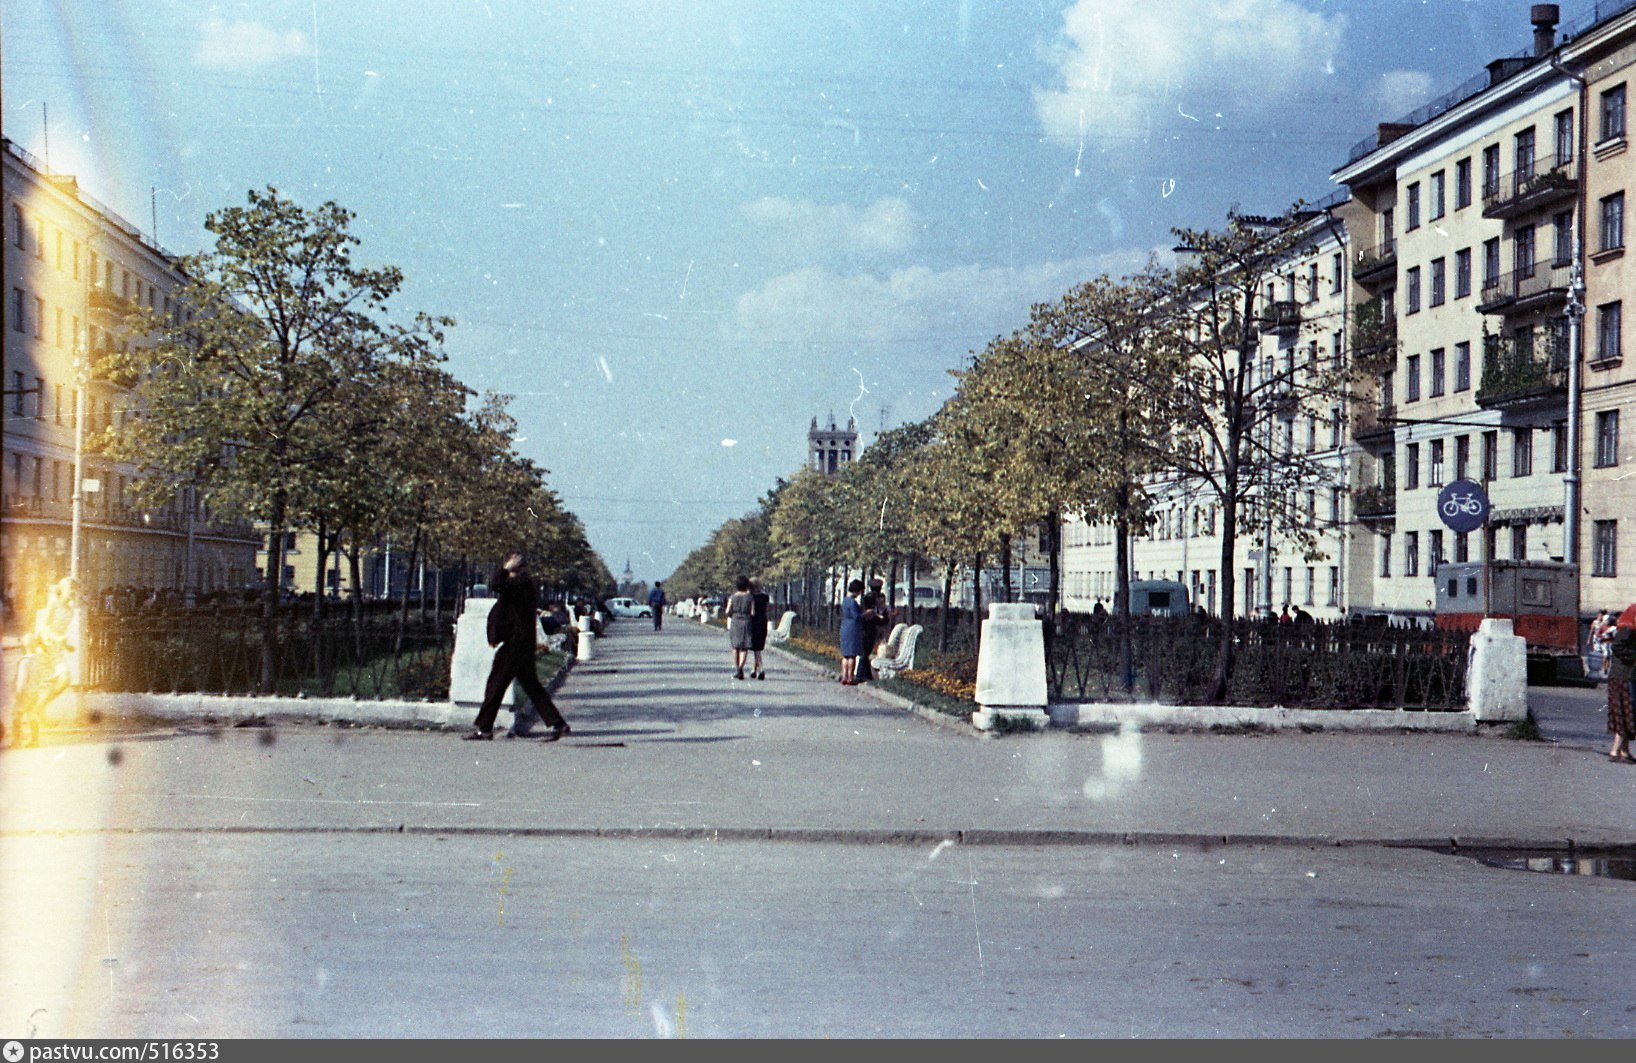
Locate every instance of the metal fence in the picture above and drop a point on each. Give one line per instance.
(219, 651)
(1308, 665)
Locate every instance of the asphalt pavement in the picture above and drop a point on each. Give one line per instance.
(666, 742)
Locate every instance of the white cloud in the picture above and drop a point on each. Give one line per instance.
(885, 227)
(1125, 65)
(227, 45)
(821, 305)
(1401, 91)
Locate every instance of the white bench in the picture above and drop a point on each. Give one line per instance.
(903, 660)
(786, 623)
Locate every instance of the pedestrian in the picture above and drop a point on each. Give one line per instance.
(1621, 713)
(1601, 638)
(48, 665)
(870, 629)
(759, 604)
(739, 606)
(512, 626)
(656, 602)
(851, 633)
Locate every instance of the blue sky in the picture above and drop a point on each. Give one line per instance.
(677, 232)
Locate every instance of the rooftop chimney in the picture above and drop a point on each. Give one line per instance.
(1544, 17)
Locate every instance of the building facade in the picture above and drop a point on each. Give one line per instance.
(71, 268)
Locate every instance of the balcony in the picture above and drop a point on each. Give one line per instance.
(1372, 265)
(1378, 502)
(97, 514)
(1518, 374)
(1374, 333)
(1531, 188)
(106, 301)
(1527, 290)
(1282, 318)
(1374, 422)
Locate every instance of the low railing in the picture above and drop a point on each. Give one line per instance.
(1545, 180)
(1372, 260)
(1337, 666)
(1375, 501)
(1514, 372)
(219, 651)
(96, 513)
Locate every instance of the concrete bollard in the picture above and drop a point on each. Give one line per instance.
(585, 648)
(1497, 673)
(1011, 687)
(473, 657)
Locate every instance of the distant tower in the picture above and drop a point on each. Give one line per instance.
(828, 449)
(628, 580)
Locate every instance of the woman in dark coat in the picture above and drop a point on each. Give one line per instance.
(758, 626)
(1621, 713)
(739, 605)
(851, 633)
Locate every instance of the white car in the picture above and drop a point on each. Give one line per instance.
(627, 607)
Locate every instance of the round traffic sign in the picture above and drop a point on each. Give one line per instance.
(1463, 505)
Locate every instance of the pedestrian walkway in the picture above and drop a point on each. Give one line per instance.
(666, 742)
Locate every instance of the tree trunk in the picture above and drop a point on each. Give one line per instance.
(1121, 589)
(270, 594)
(977, 592)
(1229, 538)
(326, 679)
(355, 574)
(403, 602)
(1053, 594)
(943, 610)
(1005, 566)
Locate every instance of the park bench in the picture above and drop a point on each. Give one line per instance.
(904, 659)
(781, 633)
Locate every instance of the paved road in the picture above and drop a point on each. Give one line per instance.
(793, 858)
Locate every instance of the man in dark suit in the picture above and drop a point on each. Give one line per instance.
(512, 624)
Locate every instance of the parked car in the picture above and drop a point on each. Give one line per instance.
(627, 607)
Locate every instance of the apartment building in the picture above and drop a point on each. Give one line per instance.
(1490, 233)
(71, 267)
(1303, 321)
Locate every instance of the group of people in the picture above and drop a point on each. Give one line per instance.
(746, 611)
(865, 618)
(1616, 638)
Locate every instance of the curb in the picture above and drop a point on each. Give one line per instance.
(932, 716)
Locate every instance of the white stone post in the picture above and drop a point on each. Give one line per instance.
(473, 657)
(586, 647)
(1497, 673)
(1011, 687)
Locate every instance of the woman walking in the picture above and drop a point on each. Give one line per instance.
(758, 626)
(739, 607)
(851, 633)
(1621, 713)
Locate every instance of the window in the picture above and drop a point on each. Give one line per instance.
(1337, 266)
(19, 229)
(57, 416)
(1563, 126)
(1411, 553)
(1387, 230)
(1607, 331)
(1519, 542)
(1612, 231)
(1386, 555)
(1462, 457)
(1607, 439)
(18, 304)
(1312, 585)
(76, 260)
(1434, 553)
(1522, 246)
(1524, 142)
(1411, 208)
(1434, 192)
(1312, 282)
(1491, 171)
(1411, 299)
(39, 318)
(1559, 446)
(1613, 113)
(1334, 426)
(1437, 360)
(1605, 561)
(39, 398)
(1334, 584)
(1411, 466)
(17, 393)
(1462, 184)
(1312, 432)
(1491, 456)
(1436, 463)
(1411, 373)
(1522, 452)
(1462, 547)
(1462, 273)
(1562, 244)
(1491, 262)
(1439, 281)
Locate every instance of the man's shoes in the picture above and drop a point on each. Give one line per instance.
(551, 734)
(477, 735)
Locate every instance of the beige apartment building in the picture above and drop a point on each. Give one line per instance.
(1473, 222)
(71, 266)
(1305, 315)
